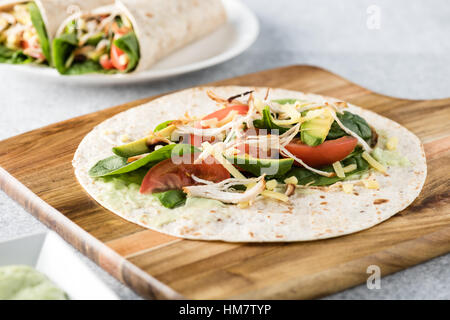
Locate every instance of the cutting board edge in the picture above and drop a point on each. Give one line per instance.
(105, 257)
(352, 274)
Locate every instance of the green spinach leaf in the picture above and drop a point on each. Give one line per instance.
(13, 56)
(88, 66)
(171, 198)
(130, 45)
(62, 48)
(128, 178)
(118, 165)
(354, 123)
(267, 122)
(39, 25)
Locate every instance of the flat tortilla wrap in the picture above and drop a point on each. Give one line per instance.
(311, 214)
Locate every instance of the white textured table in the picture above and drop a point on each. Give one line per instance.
(407, 56)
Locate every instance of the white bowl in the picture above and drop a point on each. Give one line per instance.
(51, 255)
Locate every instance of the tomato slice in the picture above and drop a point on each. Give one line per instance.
(105, 62)
(26, 45)
(326, 153)
(223, 113)
(219, 115)
(167, 175)
(116, 53)
(197, 141)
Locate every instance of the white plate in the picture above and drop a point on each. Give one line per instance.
(49, 254)
(236, 36)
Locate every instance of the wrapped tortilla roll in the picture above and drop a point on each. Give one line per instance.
(132, 35)
(163, 26)
(28, 27)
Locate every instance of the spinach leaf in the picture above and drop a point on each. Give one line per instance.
(171, 199)
(13, 56)
(107, 166)
(64, 45)
(354, 123)
(130, 45)
(88, 66)
(118, 165)
(128, 178)
(62, 49)
(95, 39)
(267, 122)
(38, 23)
(305, 176)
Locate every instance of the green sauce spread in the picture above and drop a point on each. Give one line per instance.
(390, 158)
(19, 282)
(203, 203)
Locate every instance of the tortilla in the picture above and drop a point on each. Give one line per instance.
(163, 26)
(311, 214)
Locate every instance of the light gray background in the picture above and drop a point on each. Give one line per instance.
(409, 57)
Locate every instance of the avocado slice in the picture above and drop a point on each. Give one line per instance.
(163, 125)
(259, 166)
(314, 131)
(95, 39)
(132, 149)
(146, 144)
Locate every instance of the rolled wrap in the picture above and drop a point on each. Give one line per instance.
(163, 26)
(54, 12)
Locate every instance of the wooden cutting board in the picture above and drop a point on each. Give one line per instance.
(36, 171)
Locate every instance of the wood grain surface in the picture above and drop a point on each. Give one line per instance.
(36, 171)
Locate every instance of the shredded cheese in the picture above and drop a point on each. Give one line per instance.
(287, 137)
(243, 205)
(291, 180)
(315, 114)
(271, 184)
(371, 183)
(258, 104)
(373, 163)
(350, 168)
(212, 150)
(392, 143)
(275, 195)
(338, 169)
(347, 187)
(289, 110)
(125, 138)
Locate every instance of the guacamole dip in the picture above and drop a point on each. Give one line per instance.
(19, 282)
